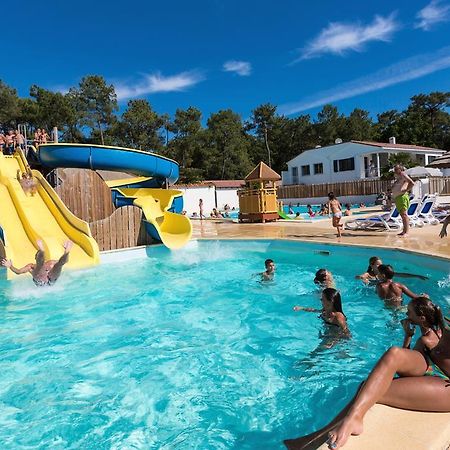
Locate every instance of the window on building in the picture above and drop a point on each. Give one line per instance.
(431, 158)
(318, 168)
(294, 172)
(306, 170)
(344, 165)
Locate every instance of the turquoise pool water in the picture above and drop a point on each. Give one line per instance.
(187, 350)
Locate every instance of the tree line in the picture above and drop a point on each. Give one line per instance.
(228, 147)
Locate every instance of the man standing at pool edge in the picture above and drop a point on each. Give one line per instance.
(400, 191)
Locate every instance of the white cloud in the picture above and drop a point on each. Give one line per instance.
(153, 83)
(338, 38)
(432, 14)
(405, 70)
(242, 68)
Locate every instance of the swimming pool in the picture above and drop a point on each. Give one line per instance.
(188, 350)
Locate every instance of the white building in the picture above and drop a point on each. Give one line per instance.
(214, 193)
(349, 161)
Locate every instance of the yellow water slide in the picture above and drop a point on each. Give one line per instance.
(25, 218)
(173, 230)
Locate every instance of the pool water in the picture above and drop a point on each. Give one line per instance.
(188, 350)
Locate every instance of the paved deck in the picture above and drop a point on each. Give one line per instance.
(424, 240)
(385, 427)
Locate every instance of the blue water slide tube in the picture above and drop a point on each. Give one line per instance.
(99, 157)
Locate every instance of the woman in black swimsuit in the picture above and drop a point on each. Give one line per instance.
(331, 312)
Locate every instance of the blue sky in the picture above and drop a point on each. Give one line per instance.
(219, 54)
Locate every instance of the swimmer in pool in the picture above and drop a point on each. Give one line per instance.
(44, 273)
(389, 290)
(371, 274)
(324, 279)
(269, 273)
(331, 312)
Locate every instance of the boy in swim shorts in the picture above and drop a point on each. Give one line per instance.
(400, 191)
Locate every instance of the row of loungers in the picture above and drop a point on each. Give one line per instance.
(420, 213)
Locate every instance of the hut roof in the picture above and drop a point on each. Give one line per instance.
(262, 172)
(442, 162)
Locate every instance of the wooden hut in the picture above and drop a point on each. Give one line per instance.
(258, 200)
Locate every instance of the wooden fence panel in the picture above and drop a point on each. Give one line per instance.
(124, 228)
(440, 185)
(358, 187)
(84, 193)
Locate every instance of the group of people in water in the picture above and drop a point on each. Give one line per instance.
(414, 378)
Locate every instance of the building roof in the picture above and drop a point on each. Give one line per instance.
(396, 146)
(224, 184)
(230, 184)
(353, 148)
(262, 172)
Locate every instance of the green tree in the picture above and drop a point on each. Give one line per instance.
(399, 158)
(358, 126)
(9, 106)
(139, 127)
(95, 103)
(52, 109)
(262, 120)
(387, 125)
(226, 147)
(330, 125)
(186, 126)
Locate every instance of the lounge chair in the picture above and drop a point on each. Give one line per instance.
(390, 222)
(425, 212)
(387, 221)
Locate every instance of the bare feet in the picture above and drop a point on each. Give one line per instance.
(40, 244)
(351, 425)
(67, 246)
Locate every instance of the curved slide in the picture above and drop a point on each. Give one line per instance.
(25, 218)
(173, 230)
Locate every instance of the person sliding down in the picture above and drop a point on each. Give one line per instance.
(44, 273)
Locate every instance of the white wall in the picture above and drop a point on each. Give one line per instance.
(191, 196)
(225, 196)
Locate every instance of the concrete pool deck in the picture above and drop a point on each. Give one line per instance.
(384, 427)
(424, 240)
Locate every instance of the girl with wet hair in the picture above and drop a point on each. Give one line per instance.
(324, 278)
(331, 312)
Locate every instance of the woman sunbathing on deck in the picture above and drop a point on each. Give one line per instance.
(423, 383)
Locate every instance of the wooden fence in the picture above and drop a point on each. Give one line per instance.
(123, 228)
(359, 187)
(441, 185)
(84, 193)
(89, 198)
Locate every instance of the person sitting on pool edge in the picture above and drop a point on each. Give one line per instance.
(269, 273)
(44, 273)
(389, 290)
(331, 312)
(371, 274)
(324, 279)
(422, 385)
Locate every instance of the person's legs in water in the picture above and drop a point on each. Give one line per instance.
(56, 270)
